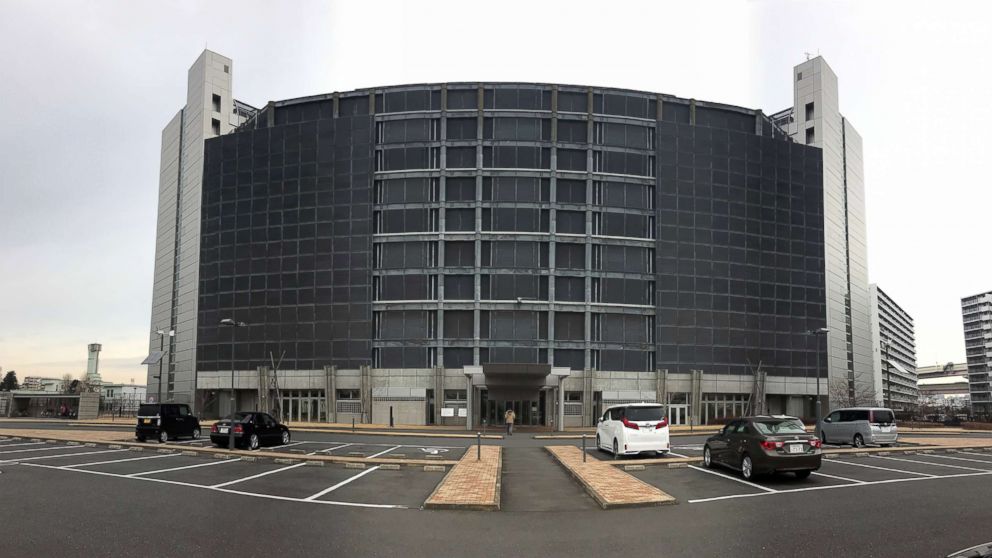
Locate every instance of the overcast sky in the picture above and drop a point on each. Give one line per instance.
(86, 88)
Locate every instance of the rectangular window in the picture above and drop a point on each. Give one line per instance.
(216, 102)
(809, 111)
(462, 128)
(350, 394)
(810, 135)
(215, 126)
(455, 395)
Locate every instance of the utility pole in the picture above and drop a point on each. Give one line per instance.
(887, 388)
(161, 348)
(230, 429)
(822, 332)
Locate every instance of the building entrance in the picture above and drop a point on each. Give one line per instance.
(677, 414)
(529, 412)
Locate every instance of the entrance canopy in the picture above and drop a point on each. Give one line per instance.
(515, 381)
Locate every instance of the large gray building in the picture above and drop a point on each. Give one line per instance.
(895, 353)
(445, 251)
(976, 312)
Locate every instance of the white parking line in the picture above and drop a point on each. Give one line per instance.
(930, 463)
(384, 452)
(340, 484)
(20, 459)
(225, 490)
(833, 486)
(329, 450)
(819, 474)
(742, 481)
(272, 472)
(24, 444)
(209, 463)
(963, 459)
(842, 462)
(123, 460)
(53, 448)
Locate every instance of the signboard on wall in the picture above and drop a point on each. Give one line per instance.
(463, 412)
(447, 412)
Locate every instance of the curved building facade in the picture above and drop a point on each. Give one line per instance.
(445, 251)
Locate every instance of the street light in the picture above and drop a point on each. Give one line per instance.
(821, 332)
(230, 322)
(161, 348)
(887, 388)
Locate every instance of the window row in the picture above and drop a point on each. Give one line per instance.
(512, 325)
(512, 219)
(512, 189)
(520, 288)
(514, 254)
(511, 128)
(514, 157)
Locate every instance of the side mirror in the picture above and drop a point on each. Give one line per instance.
(827, 420)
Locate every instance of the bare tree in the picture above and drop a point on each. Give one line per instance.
(841, 394)
(66, 382)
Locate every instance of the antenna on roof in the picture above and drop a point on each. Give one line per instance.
(807, 55)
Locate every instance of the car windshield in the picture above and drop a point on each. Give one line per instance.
(147, 410)
(882, 417)
(777, 427)
(645, 413)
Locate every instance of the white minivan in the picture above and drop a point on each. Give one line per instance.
(633, 428)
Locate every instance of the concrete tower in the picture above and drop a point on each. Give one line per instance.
(93, 364)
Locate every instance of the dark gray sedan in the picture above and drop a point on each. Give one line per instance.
(764, 445)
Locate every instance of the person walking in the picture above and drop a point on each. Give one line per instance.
(509, 416)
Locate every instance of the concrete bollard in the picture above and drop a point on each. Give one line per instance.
(861, 454)
(72, 443)
(221, 456)
(135, 449)
(434, 468)
(677, 465)
(390, 467)
(163, 450)
(354, 465)
(312, 463)
(287, 461)
(116, 446)
(635, 467)
(249, 459)
(189, 453)
(90, 445)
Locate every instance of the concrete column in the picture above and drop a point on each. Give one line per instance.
(439, 393)
(331, 392)
(560, 399)
(469, 402)
(661, 389)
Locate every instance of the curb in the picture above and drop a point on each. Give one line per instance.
(495, 506)
(603, 503)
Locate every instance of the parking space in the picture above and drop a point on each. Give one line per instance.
(331, 484)
(345, 448)
(696, 484)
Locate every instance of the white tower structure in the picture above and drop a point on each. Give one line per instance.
(93, 364)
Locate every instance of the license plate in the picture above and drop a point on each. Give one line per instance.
(796, 448)
(886, 429)
(223, 430)
(148, 421)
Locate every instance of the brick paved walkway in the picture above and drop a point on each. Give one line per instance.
(471, 484)
(609, 486)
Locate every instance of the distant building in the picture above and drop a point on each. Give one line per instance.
(944, 385)
(895, 364)
(126, 397)
(976, 312)
(38, 383)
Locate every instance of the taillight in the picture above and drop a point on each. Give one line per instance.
(629, 424)
(816, 443)
(238, 429)
(662, 424)
(213, 428)
(768, 445)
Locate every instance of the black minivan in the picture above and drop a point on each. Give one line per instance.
(166, 421)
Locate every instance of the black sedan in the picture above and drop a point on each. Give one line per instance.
(251, 430)
(764, 445)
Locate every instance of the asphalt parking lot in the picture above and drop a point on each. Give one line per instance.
(332, 484)
(109, 502)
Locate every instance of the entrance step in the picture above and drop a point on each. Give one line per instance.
(532, 481)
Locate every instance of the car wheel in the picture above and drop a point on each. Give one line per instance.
(616, 448)
(859, 441)
(599, 444)
(285, 437)
(141, 439)
(707, 458)
(747, 467)
(803, 474)
(196, 433)
(163, 437)
(253, 442)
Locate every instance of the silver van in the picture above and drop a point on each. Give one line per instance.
(858, 426)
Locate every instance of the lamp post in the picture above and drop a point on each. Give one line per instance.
(887, 388)
(821, 332)
(230, 322)
(161, 348)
